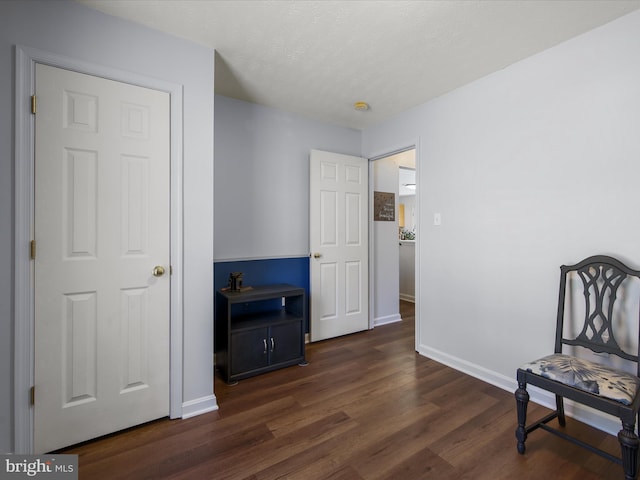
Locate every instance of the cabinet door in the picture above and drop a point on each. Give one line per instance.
(249, 350)
(286, 342)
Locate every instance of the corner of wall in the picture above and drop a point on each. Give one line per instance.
(199, 406)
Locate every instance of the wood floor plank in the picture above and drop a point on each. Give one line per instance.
(423, 464)
(252, 460)
(367, 407)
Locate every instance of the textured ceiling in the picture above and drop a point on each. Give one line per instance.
(317, 58)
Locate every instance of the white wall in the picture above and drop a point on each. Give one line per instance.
(386, 262)
(407, 284)
(72, 30)
(531, 167)
(409, 202)
(262, 178)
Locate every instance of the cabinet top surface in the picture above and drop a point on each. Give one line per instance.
(262, 292)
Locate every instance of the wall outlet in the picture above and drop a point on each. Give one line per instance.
(437, 219)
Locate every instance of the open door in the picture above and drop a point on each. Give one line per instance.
(339, 244)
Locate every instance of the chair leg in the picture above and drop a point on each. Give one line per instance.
(629, 445)
(560, 410)
(522, 400)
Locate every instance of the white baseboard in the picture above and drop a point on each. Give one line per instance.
(408, 298)
(386, 320)
(596, 419)
(199, 406)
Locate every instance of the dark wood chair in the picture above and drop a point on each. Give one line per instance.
(588, 381)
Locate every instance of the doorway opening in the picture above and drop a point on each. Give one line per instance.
(407, 222)
(394, 255)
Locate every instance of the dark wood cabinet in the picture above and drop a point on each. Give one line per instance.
(260, 330)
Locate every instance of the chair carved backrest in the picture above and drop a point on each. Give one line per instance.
(601, 278)
(611, 293)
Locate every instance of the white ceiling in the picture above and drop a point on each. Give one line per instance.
(317, 58)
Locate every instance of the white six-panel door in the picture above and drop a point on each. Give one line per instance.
(101, 227)
(339, 244)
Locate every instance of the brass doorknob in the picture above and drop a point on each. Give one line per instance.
(158, 271)
(317, 255)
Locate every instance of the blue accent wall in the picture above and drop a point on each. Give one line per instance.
(294, 271)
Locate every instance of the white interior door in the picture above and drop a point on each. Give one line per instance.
(339, 244)
(102, 198)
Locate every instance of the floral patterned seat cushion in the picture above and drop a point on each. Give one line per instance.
(588, 376)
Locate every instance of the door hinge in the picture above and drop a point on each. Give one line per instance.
(33, 104)
(32, 395)
(170, 269)
(32, 252)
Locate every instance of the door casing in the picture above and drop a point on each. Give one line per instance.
(26, 58)
(415, 145)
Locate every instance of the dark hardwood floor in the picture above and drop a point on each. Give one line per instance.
(366, 407)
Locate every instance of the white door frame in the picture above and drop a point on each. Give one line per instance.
(26, 58)
(392, 151)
